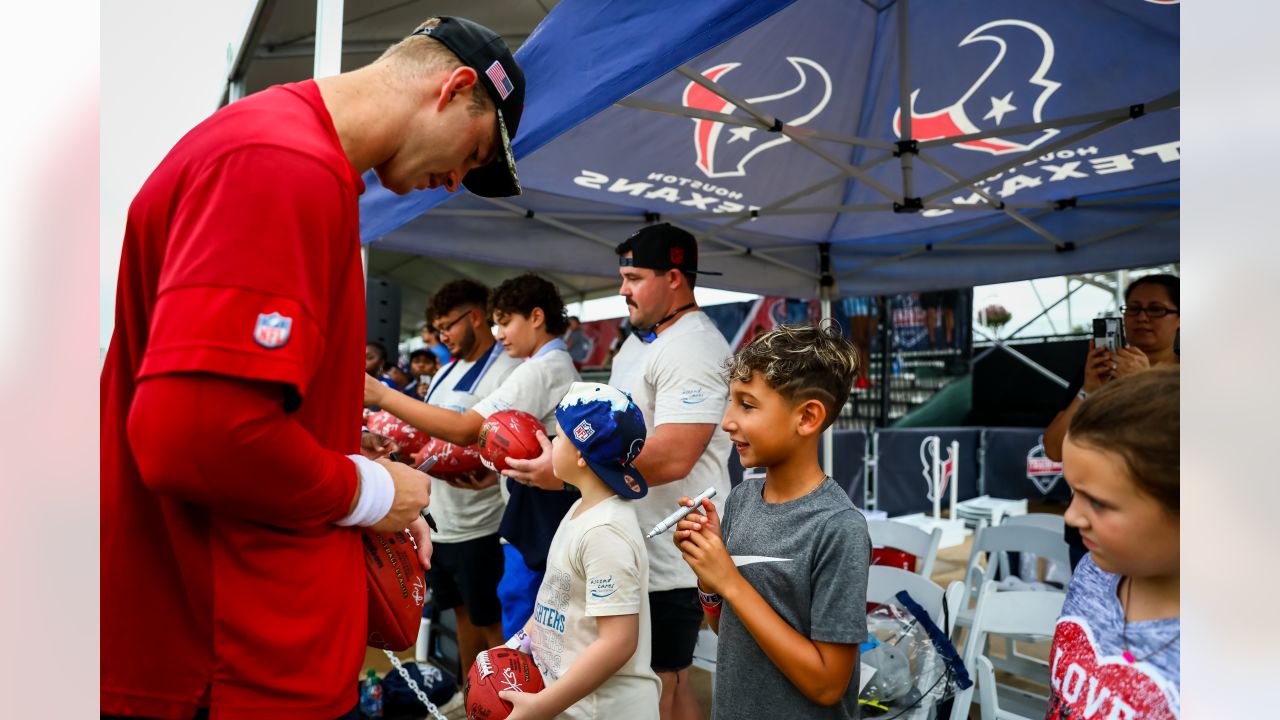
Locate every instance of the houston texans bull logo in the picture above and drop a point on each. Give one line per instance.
(715, 158)
(1002, 95)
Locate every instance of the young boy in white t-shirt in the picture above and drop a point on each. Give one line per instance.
(589, 633)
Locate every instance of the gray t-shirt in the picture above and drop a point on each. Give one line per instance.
(808, 559)
(1088, 673)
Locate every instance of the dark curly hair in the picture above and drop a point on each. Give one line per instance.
(524, 293)
(458, 294)
(801, 362)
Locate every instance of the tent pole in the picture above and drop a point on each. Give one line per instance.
(328, 57)
(886, 351)
(825, 287)
(904, 97)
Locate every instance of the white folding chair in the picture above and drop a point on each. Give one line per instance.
(883, 583)
(909, 539)
(1048, 521)
(1030, 614)
(989, 543)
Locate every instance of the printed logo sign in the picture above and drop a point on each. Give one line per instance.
(272, 331)
(583, 431)
(1012, 90)
(1042, 471)
(929, 449)
(718, 157)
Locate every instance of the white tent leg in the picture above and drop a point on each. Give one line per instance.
(328, 59)
(826, 287)
(828, 436)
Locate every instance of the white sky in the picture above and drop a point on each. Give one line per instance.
(163, 65)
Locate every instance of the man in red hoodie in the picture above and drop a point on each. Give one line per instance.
(232, 485)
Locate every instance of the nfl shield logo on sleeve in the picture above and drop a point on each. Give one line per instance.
(272, 331)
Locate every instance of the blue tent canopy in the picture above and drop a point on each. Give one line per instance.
(892, 147)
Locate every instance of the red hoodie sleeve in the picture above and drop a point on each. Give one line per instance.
(228, 444)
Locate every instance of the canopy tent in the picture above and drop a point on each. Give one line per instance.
(1041, 139)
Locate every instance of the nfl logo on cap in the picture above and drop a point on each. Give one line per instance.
(272, 331)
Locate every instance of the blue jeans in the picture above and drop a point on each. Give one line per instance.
(517, 591)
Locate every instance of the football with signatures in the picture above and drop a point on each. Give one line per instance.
(509, 434)
(495, 670)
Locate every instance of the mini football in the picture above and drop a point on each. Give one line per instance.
(451, 459)
(495, 670)
(409, 438)
(397, 589)
(509, 434)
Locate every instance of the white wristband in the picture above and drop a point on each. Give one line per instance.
(377, 492)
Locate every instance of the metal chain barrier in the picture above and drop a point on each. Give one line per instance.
(422, 696)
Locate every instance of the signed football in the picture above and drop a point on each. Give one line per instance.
(495, 670)
(509, 434)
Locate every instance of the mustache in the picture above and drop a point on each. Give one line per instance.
(632, 303)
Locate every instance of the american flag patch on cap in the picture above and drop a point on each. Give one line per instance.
(500, 80)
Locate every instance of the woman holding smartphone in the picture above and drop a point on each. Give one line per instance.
(1151, 322)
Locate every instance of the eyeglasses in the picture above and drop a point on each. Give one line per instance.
(445, 328)
(1155, 312)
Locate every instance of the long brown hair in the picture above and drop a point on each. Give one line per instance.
(1136, 417)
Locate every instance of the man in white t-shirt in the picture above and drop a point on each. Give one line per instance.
(467, 560)
(673, 367)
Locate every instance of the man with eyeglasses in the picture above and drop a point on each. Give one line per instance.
(230, 534)
(467, 556)
(1151, 326)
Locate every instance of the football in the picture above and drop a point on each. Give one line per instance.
(495, 670)
(410, 439)
(509, 434)
(397, 589)
(451, 459)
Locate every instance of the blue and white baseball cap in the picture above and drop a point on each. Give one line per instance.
(608, 429)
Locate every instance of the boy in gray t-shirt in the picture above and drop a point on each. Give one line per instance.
(783, 580)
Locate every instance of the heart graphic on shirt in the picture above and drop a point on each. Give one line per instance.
(1086, 686)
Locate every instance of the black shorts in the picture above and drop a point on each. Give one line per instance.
(675, 617)
(467, 573)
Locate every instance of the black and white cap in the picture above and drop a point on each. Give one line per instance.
(484, 51)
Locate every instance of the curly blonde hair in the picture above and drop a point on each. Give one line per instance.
(801, 362)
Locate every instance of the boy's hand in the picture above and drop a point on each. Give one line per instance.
(525, 706)
(374, 391)
(535, 472)
(709, 558)
(706, 521)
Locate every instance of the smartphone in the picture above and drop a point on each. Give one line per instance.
(1108, 332)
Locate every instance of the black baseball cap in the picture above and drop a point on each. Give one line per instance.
(484, 51)
(662, 247)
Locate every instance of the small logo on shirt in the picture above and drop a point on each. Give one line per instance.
(272, 331)
(583, 431)
(692, 396)
(602, 587)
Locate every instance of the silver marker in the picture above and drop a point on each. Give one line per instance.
(670, 521)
